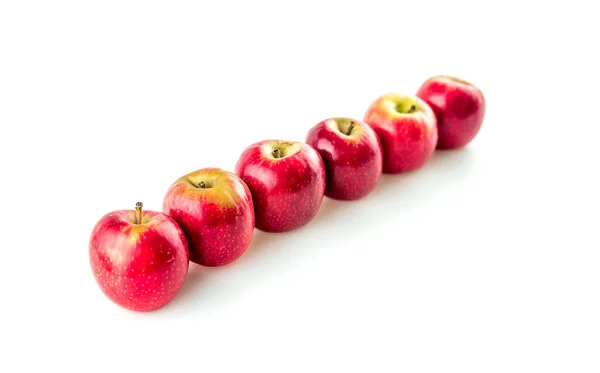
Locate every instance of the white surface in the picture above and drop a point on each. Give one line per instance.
(486, 260)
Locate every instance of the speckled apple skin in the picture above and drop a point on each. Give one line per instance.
(459, 107)
(140, 267)
(353, 164)
(408, 141)
(287, 192)
(218, 222)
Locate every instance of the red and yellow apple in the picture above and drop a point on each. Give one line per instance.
(215, 210)
(287, 182)
(407, 129)
(139, 258)
(351, 152)
(459, 107)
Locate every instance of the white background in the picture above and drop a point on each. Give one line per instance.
(485, 260)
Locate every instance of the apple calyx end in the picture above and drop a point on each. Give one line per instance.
(345, 126)
(281, 149)
(202, 184)
(404, 107)
(350, 128)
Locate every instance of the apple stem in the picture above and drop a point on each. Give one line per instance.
(276, 153)
(138, 212)
(350, 128)
(201, 184)
(412, 108)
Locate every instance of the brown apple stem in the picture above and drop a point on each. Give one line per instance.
(201, 184)
(138, 212)
(350, 128)
(276, 153)
(412, 108)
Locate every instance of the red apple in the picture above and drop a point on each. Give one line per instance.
(351, 152)
(287, 182)
(214, 208)
(139, 259)
(407, 129)
(459, 107)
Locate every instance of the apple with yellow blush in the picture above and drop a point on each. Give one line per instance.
(287, 182)
(215, 210)
(459, 107)
(407, 128)
(351, 152)
(139, 259)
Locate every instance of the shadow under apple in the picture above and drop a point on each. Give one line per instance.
(394, 194)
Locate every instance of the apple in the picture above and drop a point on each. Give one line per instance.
(215, 210)
(287, 182)
(459, 107)
(139, 259)
(351, 152)
(407, 129)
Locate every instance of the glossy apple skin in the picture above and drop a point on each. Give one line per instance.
(218, 221)
(408, 140)
(287, 192)
(140, 267)
(353, 163)
(459, 107)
